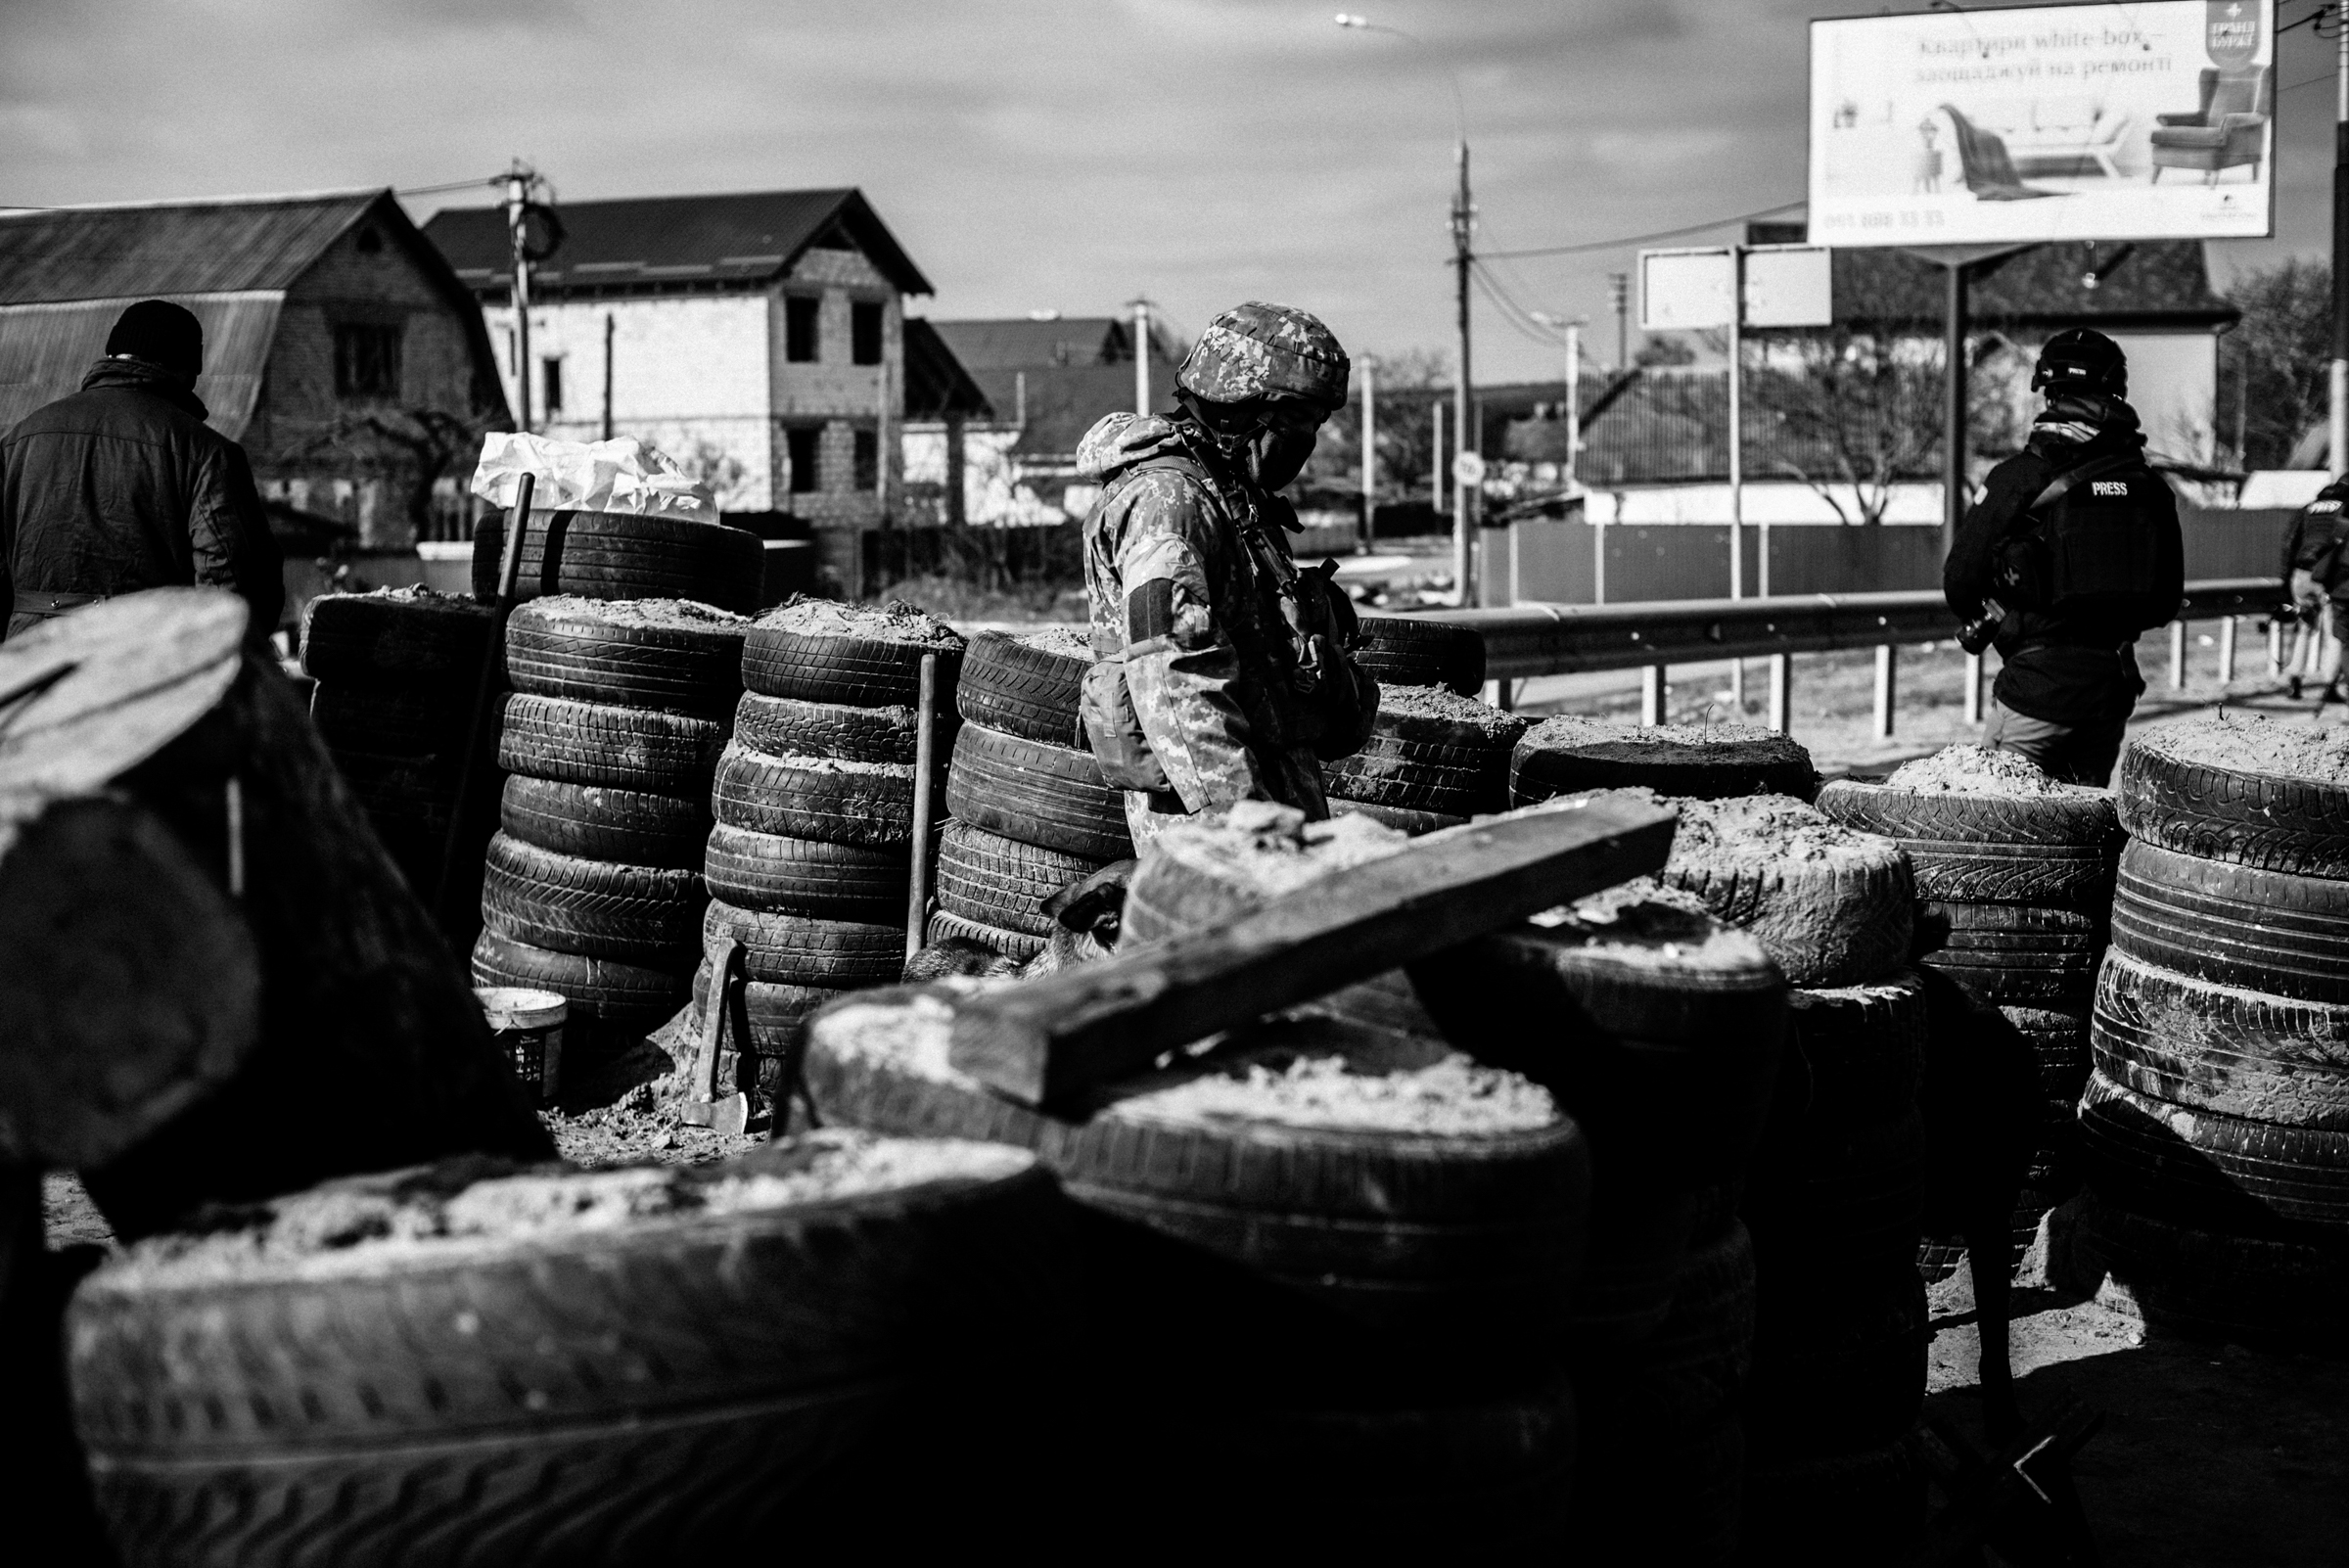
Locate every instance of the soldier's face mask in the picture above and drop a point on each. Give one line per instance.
(1279, 446)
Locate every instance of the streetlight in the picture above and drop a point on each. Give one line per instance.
(1463, 214)
(1572, 330)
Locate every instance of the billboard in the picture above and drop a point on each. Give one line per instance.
(2143, 121)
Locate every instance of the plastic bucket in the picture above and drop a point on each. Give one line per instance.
(528, 1029)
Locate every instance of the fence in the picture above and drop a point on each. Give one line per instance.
(1546, 639)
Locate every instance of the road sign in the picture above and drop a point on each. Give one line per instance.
(1468, 469)
(1788, 286)
(1685, 291)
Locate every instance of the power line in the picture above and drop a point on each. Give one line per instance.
(1646, 239)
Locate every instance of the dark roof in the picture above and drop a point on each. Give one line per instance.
(175, 248)
(46, 350)
(1060, 403)
(2141, 283)
(935, 382)
(1030, 343)
(748, 239)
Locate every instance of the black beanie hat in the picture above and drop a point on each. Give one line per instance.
(161, 331)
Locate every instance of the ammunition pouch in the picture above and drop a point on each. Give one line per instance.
(1114, 730)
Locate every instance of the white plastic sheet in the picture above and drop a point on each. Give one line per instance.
(620, 475)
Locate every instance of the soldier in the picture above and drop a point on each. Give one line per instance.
(1221, 672)
(2071, 554)
(2315, 582)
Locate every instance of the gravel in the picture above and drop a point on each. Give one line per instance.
(1757, 829)
(1968, 770)
(892, 621)
(649, 615)
(1447, 706)
(1065, 643)
(2254, 742)
(1580, 732)
(1269, 849)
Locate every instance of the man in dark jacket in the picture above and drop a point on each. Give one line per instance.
(2072, 553)
(2316, 581)
(123, 485)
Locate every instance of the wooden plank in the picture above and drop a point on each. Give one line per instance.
(1047, 1040)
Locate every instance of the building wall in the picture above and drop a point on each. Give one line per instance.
(839, 395)
(370, 461)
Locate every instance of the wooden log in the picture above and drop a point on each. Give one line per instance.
(126, 730)
(1045, 1041)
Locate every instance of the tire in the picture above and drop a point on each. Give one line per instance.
(617, 555)
(766, 871)
(778, 1018)
(644, 915)
(397, 720)
(1865, 1047)
(2014, 953)
(597, 989)
(1017, 946)
(791, 950)
(1838, 913)
(671, 1382)
(1030, 687)
(1638, 1245)
(1448, 756)
(395, 636)
(784, 727)
(2047, 875)
(986, 877)
(595, 822)
(1422, 1237)
(2208, 1284)
(2076, 818)
(867, 803)
(1838, 1203)
(1400, 818)
(2188, 804)
(1406, 651)
(820, 651)
(2209, 1047)
(664, 654)
(1568, 755)
(2234, 924)
(1049, 796)
(1835, 1376)
(598, 742)
(2201, 1163)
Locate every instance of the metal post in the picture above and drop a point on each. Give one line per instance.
(1369, 455)
(1574, 403)
(1953, 464)
(1599, 562)
(1973, 689)
(1141, 357)
(1655, 691)
(1782, 693)
(518, 195)
(2337, 427)
(917, 895)
(1737, 457)
(1436, 452)
(1619, 292)
(607, 375)
(2226, 651)
(2274, 648)
(2177, 656)
(1463, 496)
(1887, 689)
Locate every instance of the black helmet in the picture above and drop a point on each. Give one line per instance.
(2081, 359)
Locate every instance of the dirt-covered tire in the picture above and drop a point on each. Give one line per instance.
(648, 915)
(1431, 752)
(1017, 946)
(2252, 1177)
(2216, 1048)
(657, 653)
(596, 822)
(395, 636)
(987, 877)
(2172, 795)
(677, 1381)
(783, 875)
(2014, 953)
(1039, 793)
(1420, 1235)
(600, 743)
(617, 555)
(785, 726)
(1408, 651)
(792, 949)
(399, 720)
(820, 651)
(1865, 1048)
(2234, 924)
(868, 804)
(2075, 816)
(597, 989)
(2211, 1284)
(1027, 686)
(1568, 755)
(1837, 913)
(1401, 819)
(778, 1016)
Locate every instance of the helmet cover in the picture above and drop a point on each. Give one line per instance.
(1265, 351)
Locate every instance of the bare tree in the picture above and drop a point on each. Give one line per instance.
(2279, 358)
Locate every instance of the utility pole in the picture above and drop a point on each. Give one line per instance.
(1464, 497)
(519, 182)
(1737, 442)
(1141, 357)
(607, 375)
(1953, 466)
(2338, 458)
(1618, 291)
(1369, 456)
(1574, 402)
(1435, 451)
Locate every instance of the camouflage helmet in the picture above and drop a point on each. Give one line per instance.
(1265, 351)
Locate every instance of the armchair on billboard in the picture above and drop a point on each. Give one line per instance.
(2022, 124)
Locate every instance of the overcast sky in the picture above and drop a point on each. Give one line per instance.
(1028, 153)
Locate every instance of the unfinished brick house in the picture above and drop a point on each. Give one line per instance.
(758, 339)
(338, 346)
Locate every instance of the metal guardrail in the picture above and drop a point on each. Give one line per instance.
(1554, 639)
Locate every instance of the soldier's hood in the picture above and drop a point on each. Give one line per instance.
(1117, 441)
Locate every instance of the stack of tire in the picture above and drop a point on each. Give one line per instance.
(1834, 1197)
(2215, 1127)
(1659, 1030)
(1434, 760)
(1354, 1310)
(398, 671)
(1573, 752)
(808, 860)
(1030, 812)
(593, 888)
(620, 555)
(2016, 871)
(1419, 651)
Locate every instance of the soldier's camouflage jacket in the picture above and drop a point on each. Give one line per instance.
(1177, 595)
